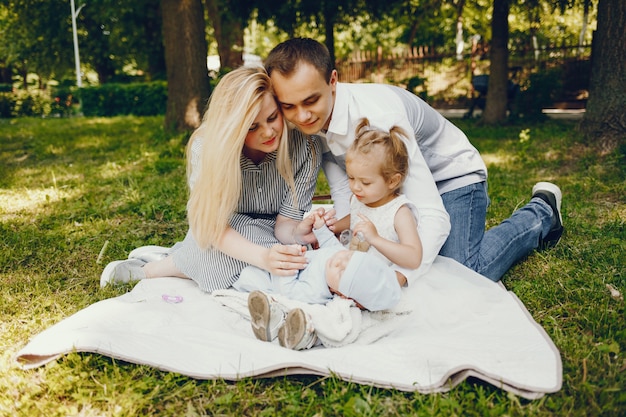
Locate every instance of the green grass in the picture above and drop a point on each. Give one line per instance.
(69, 186)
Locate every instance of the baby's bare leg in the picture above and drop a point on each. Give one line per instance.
(163, 268)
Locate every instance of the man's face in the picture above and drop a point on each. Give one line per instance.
(305, 97)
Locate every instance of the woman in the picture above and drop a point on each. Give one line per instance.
(251, 180)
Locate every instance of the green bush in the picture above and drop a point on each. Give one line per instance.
(22, 103)
(139, 99)
(539, 92)
(32, 103)
(64, 100)
(418, 86)
(6, 105)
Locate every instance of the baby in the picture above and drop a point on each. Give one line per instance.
(332, 270)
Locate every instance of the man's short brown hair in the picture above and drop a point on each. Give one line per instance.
(286, 56)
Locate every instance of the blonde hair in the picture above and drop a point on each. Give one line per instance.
(395, 158)
(233, 107)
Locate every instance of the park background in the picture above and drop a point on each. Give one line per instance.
(92, 165)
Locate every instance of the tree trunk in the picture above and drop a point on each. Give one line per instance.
(153, 33)
(459, 30)
(6, 74)
(98, 43)
(604, 123)
(495, 107)
(329, 15)
(228, 30)
(105, 68)
(24, 74)
(185, 59)
(583, 29)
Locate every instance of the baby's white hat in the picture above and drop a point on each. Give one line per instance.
(371, 282)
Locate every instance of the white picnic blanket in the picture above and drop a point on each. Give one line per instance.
(451, 324)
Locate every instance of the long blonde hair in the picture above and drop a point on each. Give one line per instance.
(233, 107)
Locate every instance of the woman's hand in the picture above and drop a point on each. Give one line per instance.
(286, 260)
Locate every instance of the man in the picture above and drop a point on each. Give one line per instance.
(445, 170)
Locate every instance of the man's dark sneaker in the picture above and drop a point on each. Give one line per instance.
(551, 194)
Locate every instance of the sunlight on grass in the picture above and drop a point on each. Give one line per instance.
(30, 201)
(497, 159)
(110, 170)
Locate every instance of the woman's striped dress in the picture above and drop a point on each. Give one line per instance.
(265, 194)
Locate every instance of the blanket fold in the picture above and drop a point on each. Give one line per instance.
(451, 324)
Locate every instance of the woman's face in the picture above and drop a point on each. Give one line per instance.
(264, 135)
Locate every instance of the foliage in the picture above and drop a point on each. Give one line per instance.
(37, 35)
(118, 37)
(418, 86)
(113, 36)
(553, 22)
(538, 92)
(68, 186)
(23, 103)
(6, 105)
(140, 99)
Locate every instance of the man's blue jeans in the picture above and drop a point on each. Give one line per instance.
(493, 252)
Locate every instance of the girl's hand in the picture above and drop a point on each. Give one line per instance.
(286, 260)
(366, 228)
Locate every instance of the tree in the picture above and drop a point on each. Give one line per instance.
(495, 106)
(459, 5)
(98, 45)
(324, 15)
(36, 37)
(186, 50)
(229, 18)
(604, 122)
(112, 34)
(116, 33)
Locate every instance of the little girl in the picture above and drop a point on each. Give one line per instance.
(377, 164)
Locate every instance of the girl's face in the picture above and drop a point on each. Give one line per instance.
(264, 135)
(366, 181)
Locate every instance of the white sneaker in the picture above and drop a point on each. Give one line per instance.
(297, 333)
(149, 253)
(117, 272)
(266, 316)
